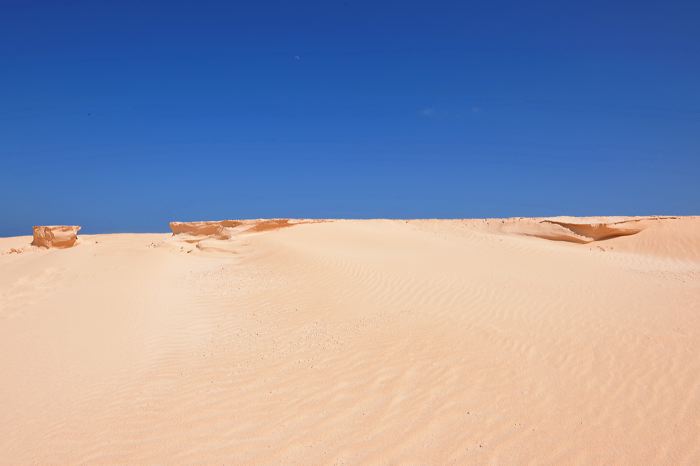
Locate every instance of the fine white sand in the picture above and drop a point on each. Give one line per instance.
(518, 341)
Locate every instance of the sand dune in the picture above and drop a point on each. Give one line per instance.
(495, 341)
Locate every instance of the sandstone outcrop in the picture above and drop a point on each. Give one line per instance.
(194, 232)
(197, 231)
(55, 236)
(583, 232)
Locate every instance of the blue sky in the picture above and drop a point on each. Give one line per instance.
(121, 116)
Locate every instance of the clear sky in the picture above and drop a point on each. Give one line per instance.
(121, 116)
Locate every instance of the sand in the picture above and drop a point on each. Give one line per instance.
(511, 341)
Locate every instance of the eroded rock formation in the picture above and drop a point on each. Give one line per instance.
(195, 232)
(588, 232)
(55, 236)
(571, 229)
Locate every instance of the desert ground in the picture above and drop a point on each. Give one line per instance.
(485, 341)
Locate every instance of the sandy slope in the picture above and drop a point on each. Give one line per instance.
(343, 342)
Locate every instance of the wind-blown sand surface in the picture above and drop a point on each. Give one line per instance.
(568, 341)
